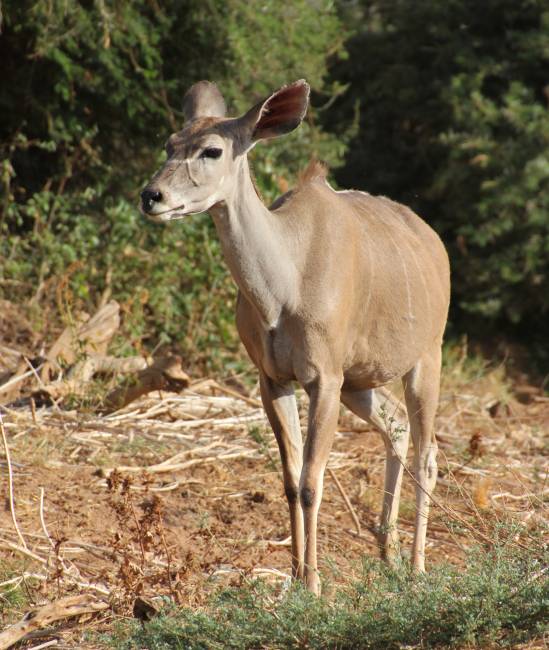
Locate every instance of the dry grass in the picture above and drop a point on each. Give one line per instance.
(197, 501)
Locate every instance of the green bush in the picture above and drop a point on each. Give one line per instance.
(500, 597)
(452, 107)
(447, 104)
(90, 92)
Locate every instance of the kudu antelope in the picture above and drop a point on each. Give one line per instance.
(342, 292)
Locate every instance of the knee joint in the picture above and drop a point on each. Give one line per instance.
(432, 469)
(307, 496)
(427, 466)
(291, 493)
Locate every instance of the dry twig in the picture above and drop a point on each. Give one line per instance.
(10, 484)
(50, 613)
(348, 503)
(42, 520)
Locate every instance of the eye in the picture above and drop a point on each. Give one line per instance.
(211, 152)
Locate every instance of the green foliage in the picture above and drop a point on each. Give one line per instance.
(447, 104)
(14, 590)
(258, 436)
(90, 92)
(12, 597)
(499, 597)
(453, 120)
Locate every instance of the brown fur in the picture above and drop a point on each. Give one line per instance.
(315, 171)
(342, 292)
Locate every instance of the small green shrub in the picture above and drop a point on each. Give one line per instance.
(500, 597)
(14, 589)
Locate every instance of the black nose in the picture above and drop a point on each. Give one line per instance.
(149, 198)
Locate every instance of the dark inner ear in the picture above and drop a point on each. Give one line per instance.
(282, 112)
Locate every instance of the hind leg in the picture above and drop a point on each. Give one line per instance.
(381, 409)
(421, 387)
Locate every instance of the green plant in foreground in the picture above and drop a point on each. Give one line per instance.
(262, 442)
(12, 596)
(14, 590)
(500, 597)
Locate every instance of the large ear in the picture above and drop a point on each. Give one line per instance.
(280, 113)
(203, 99)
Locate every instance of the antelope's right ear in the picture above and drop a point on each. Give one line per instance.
(280, 113)
(203, 99)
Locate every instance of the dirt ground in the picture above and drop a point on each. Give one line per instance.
(197, 500)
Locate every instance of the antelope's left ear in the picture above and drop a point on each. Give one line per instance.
(203, 99)
(280, 113)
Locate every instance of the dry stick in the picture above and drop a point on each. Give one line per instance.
(452, 514)
(34, 371)
(47, 644)
(33, 411)
(24, 576)
(4, 543)
(348, 503)
(42, 521)
(468, 498)
(84, 584)
(519, 479)
(435, 502)
(168, 554)
(22, 549)
(139, 533)
(16, 380)
(10, 481)
(63, 608)
(234, 393)
(161, 468)
(279, 542)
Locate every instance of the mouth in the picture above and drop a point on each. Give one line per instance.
(165, 215)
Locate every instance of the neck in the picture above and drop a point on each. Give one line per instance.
(257, 249)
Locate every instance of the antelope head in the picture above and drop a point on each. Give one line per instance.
(206, 156)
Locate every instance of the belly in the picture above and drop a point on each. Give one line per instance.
(372, 375)
(376, 359)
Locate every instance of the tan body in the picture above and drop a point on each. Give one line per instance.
(380, 269)
(342, 292)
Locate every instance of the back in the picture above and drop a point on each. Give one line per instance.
(368, 266)
(384, 230)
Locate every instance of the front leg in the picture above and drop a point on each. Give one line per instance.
(323, 415)
(281, 408)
